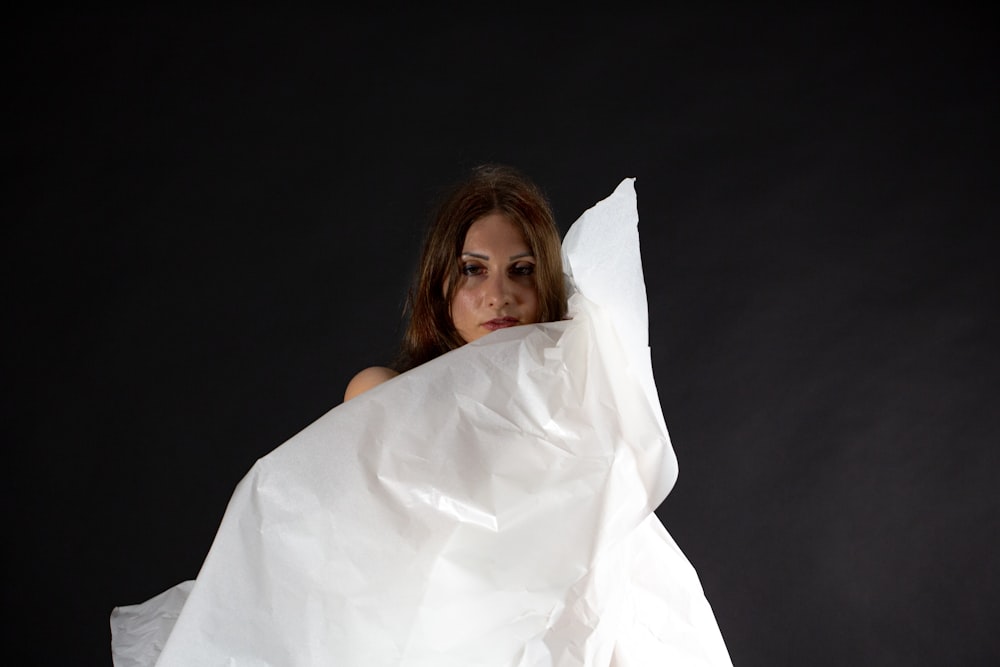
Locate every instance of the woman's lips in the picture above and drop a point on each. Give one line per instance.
(501, 323)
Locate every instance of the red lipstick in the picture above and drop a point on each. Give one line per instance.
(500, 323)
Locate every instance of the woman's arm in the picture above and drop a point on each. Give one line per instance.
(366, 379)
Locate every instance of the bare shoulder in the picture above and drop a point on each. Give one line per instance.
(366, 379)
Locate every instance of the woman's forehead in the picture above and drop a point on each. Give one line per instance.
(495, 234)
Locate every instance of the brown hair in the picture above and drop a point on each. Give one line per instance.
(489, 189)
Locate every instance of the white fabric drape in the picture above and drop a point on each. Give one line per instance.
(491, 507)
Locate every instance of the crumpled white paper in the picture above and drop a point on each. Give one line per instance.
(491, 507)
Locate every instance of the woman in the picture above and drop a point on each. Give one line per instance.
(491, 260)
(492, 506)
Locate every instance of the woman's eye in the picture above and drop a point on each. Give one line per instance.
(471, 270)
(523, 269)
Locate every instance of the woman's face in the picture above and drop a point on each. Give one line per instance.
(497, 288)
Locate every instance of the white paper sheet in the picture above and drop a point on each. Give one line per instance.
(491, 507)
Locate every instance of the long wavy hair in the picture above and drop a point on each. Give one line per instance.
(489, 189)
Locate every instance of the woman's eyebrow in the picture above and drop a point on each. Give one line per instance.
(512, 257)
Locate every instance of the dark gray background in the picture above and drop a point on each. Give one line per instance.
(210, 222)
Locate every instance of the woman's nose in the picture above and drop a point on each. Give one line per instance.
(498, 290)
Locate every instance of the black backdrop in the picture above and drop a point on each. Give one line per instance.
(210, 221)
